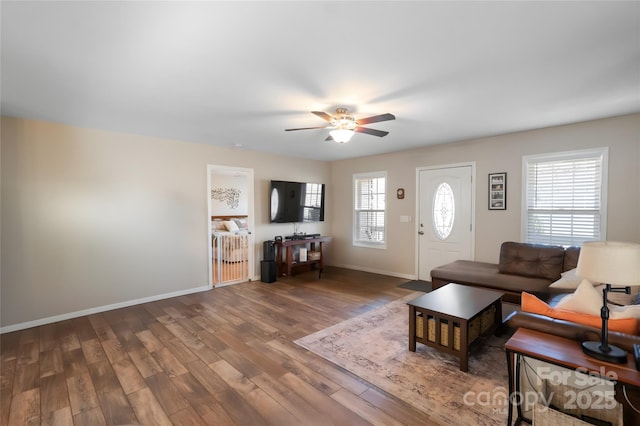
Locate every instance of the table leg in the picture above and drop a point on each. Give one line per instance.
(464, 346)
(510, 373)
(321, 263)
(412, 328)
(498, 318)
(289, 261)
(517, 398)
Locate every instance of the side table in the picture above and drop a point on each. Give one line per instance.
(568, 353)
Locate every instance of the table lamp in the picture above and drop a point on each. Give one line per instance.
(613, 264)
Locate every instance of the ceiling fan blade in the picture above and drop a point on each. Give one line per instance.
(329, 138)
(373, 132)
(376, 118)
(306, 128)
(322, 115)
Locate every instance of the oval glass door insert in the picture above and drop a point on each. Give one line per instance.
(444, 211)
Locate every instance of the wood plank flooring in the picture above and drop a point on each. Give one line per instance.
(221, 357)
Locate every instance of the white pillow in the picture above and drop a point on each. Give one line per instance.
(619, 312)
(217, 225)
(242, 223)
(586, 299)
(569, 280)
(231, 226)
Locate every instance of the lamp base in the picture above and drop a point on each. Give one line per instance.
(614, 355)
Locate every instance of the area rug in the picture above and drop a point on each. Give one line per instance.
(374, 346)
(417, 285)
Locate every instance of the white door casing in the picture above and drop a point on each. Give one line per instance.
(247, 173)
(446, 209)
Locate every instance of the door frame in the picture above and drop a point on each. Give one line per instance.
(417, 214)
(211, 169)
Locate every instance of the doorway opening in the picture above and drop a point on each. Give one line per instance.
(231, 217)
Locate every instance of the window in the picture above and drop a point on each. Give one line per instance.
(565, 197)
(370, 198)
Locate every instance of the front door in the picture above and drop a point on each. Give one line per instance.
(445, 215)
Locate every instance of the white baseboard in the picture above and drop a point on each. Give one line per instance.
(96, 310)
(377, 271)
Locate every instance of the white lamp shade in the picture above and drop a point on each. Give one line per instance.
(341, 135)
(610, 262)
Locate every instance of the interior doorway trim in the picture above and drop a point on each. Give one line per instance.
(471, 164)
(212, 169)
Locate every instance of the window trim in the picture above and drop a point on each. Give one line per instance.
(364, 243)
(567, 155)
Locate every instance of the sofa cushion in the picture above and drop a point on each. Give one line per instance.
(531, 260)
(571, 255)
(486, 275)
(532, 304)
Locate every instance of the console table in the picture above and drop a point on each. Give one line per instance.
(568, 353)
(285, 249)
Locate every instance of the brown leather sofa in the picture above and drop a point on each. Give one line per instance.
(530, 268)
(522, 267)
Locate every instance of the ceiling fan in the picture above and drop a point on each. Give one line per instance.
(344, 125)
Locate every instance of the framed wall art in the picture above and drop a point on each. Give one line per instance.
(497, 191)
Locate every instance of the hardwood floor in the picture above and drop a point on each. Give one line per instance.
(221, 357)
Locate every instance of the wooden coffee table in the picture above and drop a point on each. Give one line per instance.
(448, 307)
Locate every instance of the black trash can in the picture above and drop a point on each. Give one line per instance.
(267, 271)
(269, 250)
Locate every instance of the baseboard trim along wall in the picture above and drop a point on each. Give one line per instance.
(125, 304)
(97, 310)
(376, 271)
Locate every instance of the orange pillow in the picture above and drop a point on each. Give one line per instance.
(531, 303)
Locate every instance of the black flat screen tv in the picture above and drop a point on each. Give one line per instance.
(296, 202)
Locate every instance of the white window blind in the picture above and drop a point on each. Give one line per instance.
(565, 197)
(370, 209)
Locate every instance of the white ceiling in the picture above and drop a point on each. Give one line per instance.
(239, 73)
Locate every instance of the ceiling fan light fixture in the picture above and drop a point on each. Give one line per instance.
(343, 120)
(344, 124)
(341, 135)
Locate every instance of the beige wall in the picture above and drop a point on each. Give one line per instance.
(493, 154)
(94, 218)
